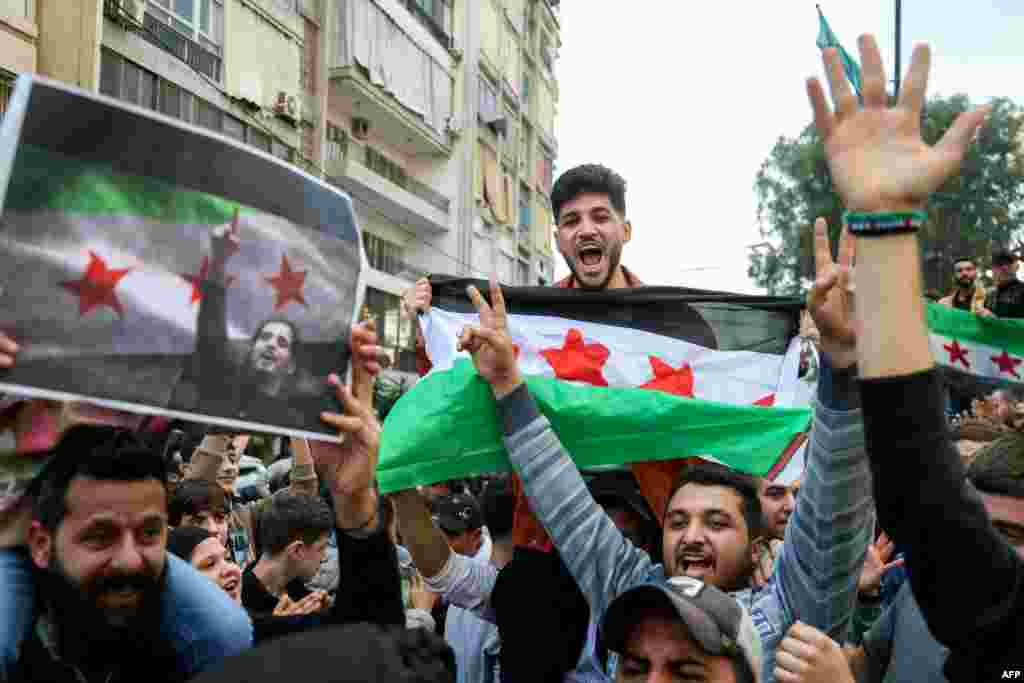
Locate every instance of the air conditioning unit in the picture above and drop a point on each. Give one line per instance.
(360, 128)
(135, 10)
(287, 105)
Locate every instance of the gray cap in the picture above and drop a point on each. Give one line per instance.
(715, 620)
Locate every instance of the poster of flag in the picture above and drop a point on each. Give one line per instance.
(653, 373)
(157, 268)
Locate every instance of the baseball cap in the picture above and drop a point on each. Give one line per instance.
(715, 620)
(457, 512)
(1002, 257)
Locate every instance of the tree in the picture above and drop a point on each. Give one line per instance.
(975, 210)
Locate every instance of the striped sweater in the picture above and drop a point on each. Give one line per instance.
(815, 578)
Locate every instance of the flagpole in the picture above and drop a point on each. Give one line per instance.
(899, 21)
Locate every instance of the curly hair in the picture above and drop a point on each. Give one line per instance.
(588, 178)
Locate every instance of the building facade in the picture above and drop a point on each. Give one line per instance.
(435, 116)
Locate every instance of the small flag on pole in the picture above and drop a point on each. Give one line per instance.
(826, 39)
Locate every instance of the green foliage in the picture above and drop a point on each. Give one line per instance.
(979, 207)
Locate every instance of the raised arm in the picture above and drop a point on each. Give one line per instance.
(370, 584)
(880, 164)
(601, 560)
(462, 581)
(302, 478)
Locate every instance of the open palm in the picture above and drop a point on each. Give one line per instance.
(875, 153)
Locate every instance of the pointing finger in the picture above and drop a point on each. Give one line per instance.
(823, 117)
(822, 247)
(481, 305)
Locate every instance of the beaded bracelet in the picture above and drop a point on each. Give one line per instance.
(876, 224)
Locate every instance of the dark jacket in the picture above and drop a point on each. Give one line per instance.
(1007, 301)
(973, 607)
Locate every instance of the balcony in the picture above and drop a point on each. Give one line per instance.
(398, 204)
(182, 47)
(378, 72)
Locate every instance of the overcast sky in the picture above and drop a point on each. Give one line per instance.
(685, 100)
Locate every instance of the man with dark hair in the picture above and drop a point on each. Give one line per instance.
(98, 543)
(198, 503)
(459, 517)
(777, 503)
(344, 654)
(263, 382)
(1006, 298)
(589, 205)
(293, 536)
(967, 294)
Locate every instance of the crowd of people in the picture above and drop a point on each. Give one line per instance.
(897, 556)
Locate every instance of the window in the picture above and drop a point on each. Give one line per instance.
(127, 81)
(233, 128)
(281, 150)
(6, 88)
(207, 115)
(435, 15)
(337, 143)
(508, 268)
(488, 101)
(524, 210)
(382, 166)
(259, 139)
(170, 99)
(383, 255)
(395, 332)
(189, 29)
(524, 273)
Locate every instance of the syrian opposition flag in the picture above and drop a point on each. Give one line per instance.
(978, 353)
(103, 274)
(619, 375)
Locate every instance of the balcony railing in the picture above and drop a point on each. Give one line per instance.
(182, 47)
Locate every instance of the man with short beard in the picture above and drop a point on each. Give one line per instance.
(98, 544)
(777, 503)
(968, 295)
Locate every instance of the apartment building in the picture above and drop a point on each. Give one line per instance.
(435, 116)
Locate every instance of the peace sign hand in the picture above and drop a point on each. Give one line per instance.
(494, 354)
(830, 301)
(875, 153)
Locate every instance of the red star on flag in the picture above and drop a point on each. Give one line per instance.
(197, 279)
(766, 402)
(288, 284)
(96, 288)
(957, 353)
(1008, 363)
(678, 381)
(578, 361)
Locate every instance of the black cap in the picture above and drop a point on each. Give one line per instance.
(457, 513)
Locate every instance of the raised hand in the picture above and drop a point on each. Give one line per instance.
(416, 299)
(806, 655)
(875, 153)
(352, 465)
(224, 242)
(876, 563)
(494, 354)
(8, 351)
(830, 301)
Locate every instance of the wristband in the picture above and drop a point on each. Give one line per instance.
(888, 223)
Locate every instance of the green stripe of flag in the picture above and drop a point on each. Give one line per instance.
(446, 427)
(43, 180)
(964, 326)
